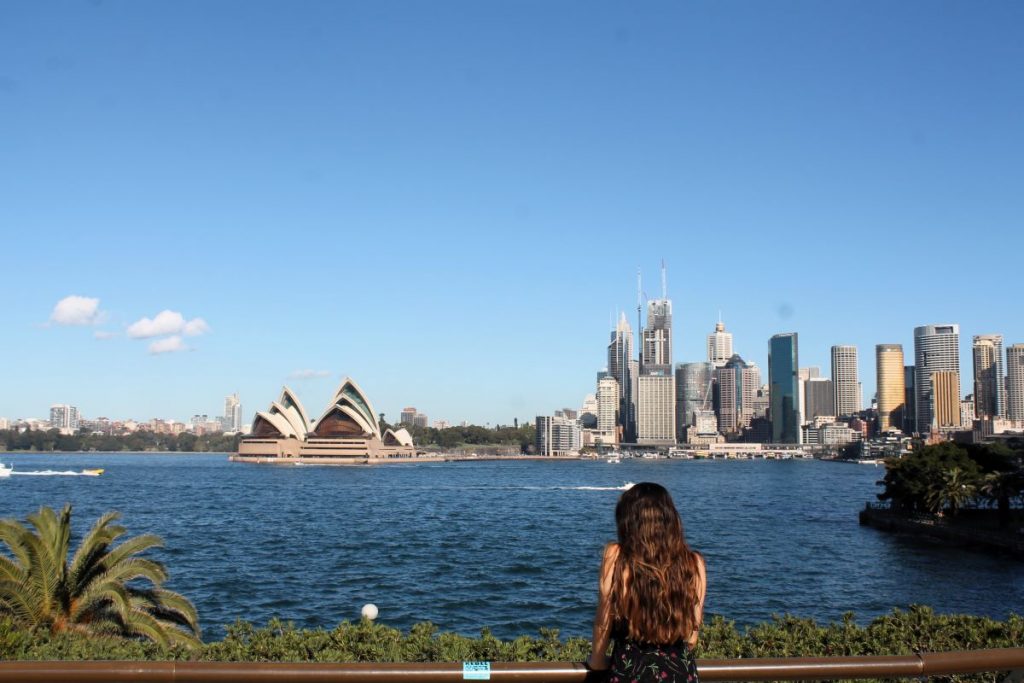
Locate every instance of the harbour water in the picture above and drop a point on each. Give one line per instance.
(513, 546)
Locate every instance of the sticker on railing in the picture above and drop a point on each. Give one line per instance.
(476, 671)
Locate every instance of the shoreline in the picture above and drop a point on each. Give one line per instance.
(356, 462)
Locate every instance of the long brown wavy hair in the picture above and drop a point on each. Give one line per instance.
(655, 585)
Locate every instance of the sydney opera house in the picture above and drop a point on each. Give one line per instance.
(347, 431)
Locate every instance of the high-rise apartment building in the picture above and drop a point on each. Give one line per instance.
(784, 389)
(1015, 382)
(557, 435)
(693, 393)
(845, 380)
(719, 345)
(64, 417)
(408, 416)
(656, 410)
(232, 419)
(657, 337)
(936, 349)
(891, 386)
(620, 355)
(989, 392)
(736, 385)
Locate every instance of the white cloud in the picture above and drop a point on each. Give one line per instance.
(167, 322)
(195, 327)
(168, 345)
(309, 374)
(76, 310)
(103, 334)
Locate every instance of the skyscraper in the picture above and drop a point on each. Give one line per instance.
(1015, 382)
(989, 393)
(657, 348)
(844, 380)
(693, 393)
(719, 345)
(607, 409)
(946, 399)
(655, 410)
(891, 386)
(620, 355)
(819, 398)
(936, 349)
(736, 385)
(784, 390)
(910, 398)
(232, 420)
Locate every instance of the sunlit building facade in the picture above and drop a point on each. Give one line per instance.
(1015, 382)
(936, 349)
(845, 380)
(891, 386)
(989, 392)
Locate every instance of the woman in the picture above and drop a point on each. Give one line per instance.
(651, 598)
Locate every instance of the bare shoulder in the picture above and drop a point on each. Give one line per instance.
(611, 551)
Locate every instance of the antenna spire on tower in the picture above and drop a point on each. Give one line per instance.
(664, 281)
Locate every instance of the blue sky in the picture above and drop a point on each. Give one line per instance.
(448, 201)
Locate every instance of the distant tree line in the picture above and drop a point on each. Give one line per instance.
(475, 435)
(51, 440)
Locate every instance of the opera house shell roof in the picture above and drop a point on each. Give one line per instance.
(346, 429)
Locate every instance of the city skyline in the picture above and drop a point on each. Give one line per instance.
(452, 202)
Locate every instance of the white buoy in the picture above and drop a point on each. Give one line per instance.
(369, 611)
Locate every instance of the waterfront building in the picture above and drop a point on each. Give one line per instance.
(945, 400)
(556, 435)
(1015, 382)
(845, 381)
(819, 398)
(64, 417)
(232, 419)
(891, 386)
(693, 392)
(719, 345)
(607, 410)
(910, 397)
(420, 420)
(346, 431)
(407, 416)
(936, 349)
(989, 391)
(735, 389)
(656, 423)
(620, 361)
(784, 387)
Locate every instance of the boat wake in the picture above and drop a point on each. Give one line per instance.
(625, 487)
(53, 473)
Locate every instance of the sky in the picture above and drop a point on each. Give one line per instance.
(450, 201)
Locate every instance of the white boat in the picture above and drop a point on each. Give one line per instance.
(5, 471)
(614, 460)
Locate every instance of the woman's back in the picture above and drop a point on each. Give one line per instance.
(651, 598)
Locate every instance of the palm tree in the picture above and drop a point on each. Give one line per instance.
(98, 592)
(1001, 487)
(954, 488)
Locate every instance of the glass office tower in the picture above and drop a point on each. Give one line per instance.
(784, 388)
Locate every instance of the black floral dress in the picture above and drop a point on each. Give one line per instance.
(634, 662)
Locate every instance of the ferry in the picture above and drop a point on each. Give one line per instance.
(5, 471)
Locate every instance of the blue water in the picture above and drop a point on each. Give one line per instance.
(513, 546)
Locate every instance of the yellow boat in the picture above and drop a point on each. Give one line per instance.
(92, 473)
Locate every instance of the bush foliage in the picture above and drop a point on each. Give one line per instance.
(901, 632)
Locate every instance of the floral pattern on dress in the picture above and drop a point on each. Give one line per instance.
(634, 662)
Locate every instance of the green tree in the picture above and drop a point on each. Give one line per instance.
(954, 488)
(1000, 488)
(104, 589)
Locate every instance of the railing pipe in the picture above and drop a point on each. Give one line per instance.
(754, 669)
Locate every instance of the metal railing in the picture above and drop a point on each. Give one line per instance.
(759, 669)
